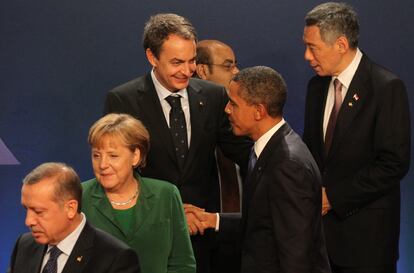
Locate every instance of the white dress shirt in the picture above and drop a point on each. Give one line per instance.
(260, 144)
(66, 246)
(345, 77)
(163, 93)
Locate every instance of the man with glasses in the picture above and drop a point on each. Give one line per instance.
(216, 62)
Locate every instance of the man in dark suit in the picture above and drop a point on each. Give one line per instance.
(185, 119)
(357, 126)
(281, 226)
(61, 240)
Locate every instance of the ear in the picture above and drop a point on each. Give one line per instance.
(151, 57)
(260, 112)
(201, 71)
(136, 160)
(342, 44)
(71, 207)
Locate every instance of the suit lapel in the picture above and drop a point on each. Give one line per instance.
(352, 104)
(36, 260)
(154, 117)
(198, 105)
(81, 253)
(144, 206)
(254, 179)
(101, 204)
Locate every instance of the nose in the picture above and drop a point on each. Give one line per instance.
(227, 109)
(235, 70)
(103, 162)
(30, 219)
(188, 69)
(308, 54)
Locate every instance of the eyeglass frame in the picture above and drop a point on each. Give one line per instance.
(228, 67)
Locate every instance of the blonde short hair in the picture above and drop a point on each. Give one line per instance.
(131, 131)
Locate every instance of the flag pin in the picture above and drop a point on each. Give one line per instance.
(355, 96)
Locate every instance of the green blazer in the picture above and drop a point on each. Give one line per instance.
(160, 236)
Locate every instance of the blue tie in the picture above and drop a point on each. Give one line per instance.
(252, 162)
(51, 265)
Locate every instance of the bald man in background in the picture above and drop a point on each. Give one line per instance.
(216, 62)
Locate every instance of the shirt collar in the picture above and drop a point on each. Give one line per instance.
(67, 244)
(163, 92)
(260, 144)
(345, 77)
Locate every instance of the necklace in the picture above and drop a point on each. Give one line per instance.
(125, 202)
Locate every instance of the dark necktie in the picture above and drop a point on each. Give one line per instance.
(334, 115)
(51, 265)
(252, 162)
(178, 128)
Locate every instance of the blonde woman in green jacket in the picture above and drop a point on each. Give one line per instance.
(145, 213)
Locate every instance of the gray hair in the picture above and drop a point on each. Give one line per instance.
(160, 26)
(263, 85)
(334, 20)
(66, 181)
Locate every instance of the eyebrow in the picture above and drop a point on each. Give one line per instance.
(230, 61)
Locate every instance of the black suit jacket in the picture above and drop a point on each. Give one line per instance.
(281, 226)
(198, 181)
(95, 251)
(369, 155)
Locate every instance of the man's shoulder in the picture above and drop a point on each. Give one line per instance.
(26, 240)
(138, 83)
(316, 82)
(207, 86)
(103, 239)
(379, 73)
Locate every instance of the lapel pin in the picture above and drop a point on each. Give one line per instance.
(350, 104)
(79, 259)
(201, 103)
(355, 97)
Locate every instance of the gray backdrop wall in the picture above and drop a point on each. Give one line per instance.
(59, 58)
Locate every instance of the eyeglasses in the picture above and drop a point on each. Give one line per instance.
(227, 66)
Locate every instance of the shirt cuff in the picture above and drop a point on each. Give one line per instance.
(217, 222)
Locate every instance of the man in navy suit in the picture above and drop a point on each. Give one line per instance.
(61, 240)
(169, 42)
(280, 229)
(357, 126)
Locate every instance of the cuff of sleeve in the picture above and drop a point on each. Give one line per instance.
(217, 222)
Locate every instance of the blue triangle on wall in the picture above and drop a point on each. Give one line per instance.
(6, 157)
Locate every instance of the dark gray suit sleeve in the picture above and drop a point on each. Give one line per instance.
(294, 200)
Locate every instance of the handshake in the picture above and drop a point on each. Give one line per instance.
(198, 220)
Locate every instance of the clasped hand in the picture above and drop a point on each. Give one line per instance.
(198, 220)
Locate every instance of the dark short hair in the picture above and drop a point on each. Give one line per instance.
(335, 20)
(160, 26)
(262, 85)
(66, 181)
(130, 131)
